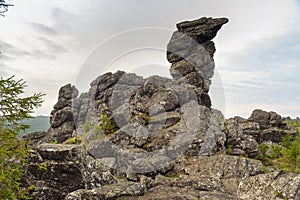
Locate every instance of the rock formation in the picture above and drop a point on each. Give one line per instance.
(245, 135)
(156, 138)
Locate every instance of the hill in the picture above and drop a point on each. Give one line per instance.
(39, 123)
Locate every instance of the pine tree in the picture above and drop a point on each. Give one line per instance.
(13, 152)
(290, 161)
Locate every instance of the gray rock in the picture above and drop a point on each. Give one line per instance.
(261, 117)
(245, 135)
(275, 185)
(113, 191)
(62, 118)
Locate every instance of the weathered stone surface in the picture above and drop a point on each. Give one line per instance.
(157, 138)
(245, 135)
(275, 185)
(34, 138)
(58, 169)
(62, 118)
(221, 166)
(202, 29)
(191, 50)
(54, 171)
(113, 191)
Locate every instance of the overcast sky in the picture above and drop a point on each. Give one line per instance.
(51, 43)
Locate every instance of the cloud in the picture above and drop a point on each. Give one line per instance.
(52, 46)
(8, 49)
(265, 74)
(43, 29)
(42, 54)
(3, 70)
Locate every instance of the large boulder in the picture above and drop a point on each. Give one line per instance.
(58, 169)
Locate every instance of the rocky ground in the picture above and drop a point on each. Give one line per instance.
(157, 138)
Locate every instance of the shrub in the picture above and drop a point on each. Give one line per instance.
(106, 125)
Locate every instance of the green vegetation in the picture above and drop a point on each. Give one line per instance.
(88, 125)
(13, 152)
(171, 175)
(42, 166)
(290, 160)
(285, 156)
(106, 126)
(278, 194)
(73, 140)
(104, 129)
(229, 150)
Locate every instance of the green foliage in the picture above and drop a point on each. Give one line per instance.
(278, 194)
(14, 108)
(290, 161)
(226, 129)
(73, 140)
(263, 156)
(13, 152)
(229, 150)
(53, 142)
(294, 124)
(285, 156)
(42, 166)
(171, 174)
(104, 129)
(100, 136)
(106, 125)
(88, 125)
(265, 169)
(287, 141)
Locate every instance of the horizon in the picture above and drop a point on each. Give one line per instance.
(257, 52)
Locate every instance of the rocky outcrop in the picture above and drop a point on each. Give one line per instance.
(53, 171)
(191, 51)
(61, 120)
(156, 119)
(58, 169)
(156, 138)
(245, 135)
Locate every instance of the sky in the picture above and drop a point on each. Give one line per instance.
(51, 43)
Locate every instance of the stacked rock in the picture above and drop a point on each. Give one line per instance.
(61, 120)
(191, 52)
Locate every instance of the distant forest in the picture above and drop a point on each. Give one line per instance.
(39, 123)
